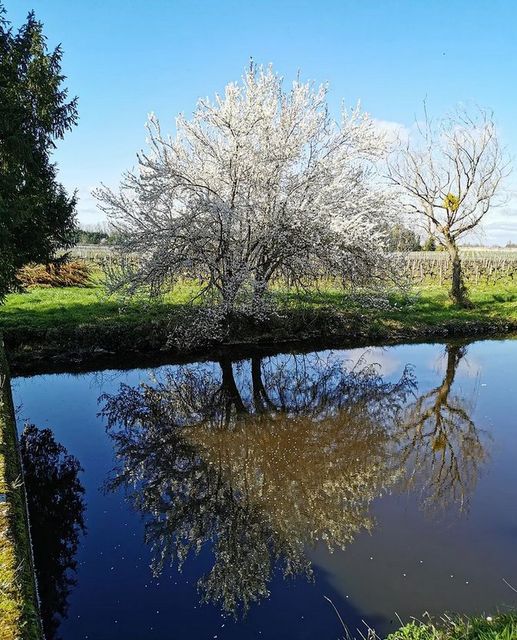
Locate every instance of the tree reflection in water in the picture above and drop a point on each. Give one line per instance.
(262, 459)
(56, 509)
(440, 443)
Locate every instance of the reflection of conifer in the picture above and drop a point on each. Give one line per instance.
(56, 508)
(290, 454)
(440, 441)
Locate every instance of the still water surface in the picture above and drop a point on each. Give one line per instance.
(226, 499)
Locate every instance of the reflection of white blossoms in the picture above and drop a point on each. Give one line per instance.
(290, 456)
(262, 459)
(314, 482)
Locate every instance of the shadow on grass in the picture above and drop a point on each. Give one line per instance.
(92, 313)
(47, 309)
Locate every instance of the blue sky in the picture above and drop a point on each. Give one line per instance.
(126, 58)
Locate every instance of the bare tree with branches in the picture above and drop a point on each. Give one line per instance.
(450, 174)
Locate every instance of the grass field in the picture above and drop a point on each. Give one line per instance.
(428, 305)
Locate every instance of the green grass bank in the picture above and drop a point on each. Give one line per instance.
(19, 618)
(499, 627)
(74, 324)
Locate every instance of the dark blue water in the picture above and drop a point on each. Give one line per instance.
(227, 499)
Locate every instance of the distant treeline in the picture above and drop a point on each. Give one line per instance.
(403, 239)
(95, 237)
(400, 239)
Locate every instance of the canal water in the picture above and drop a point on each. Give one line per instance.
(254, 498)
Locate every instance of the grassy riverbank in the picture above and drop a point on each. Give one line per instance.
(51, 322)
(41, 307)
(18, 611)
(500, 627)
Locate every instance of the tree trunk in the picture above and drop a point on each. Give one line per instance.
(455, 353)
(229, 295)
(260, 396)
(232, 396)
(259, 294)
(458, 292)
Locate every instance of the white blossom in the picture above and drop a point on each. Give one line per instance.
(260, 183)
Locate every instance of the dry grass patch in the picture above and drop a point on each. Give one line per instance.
(76, 273)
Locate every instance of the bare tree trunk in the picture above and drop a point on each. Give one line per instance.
(233, 398)
(260, 397)
(458, 292)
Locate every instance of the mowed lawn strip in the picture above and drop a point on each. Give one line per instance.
(426, 306)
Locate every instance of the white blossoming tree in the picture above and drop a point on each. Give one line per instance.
(261, 183)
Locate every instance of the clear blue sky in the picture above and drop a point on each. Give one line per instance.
(125, 58)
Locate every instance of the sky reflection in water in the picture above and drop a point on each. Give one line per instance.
(384, 479)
